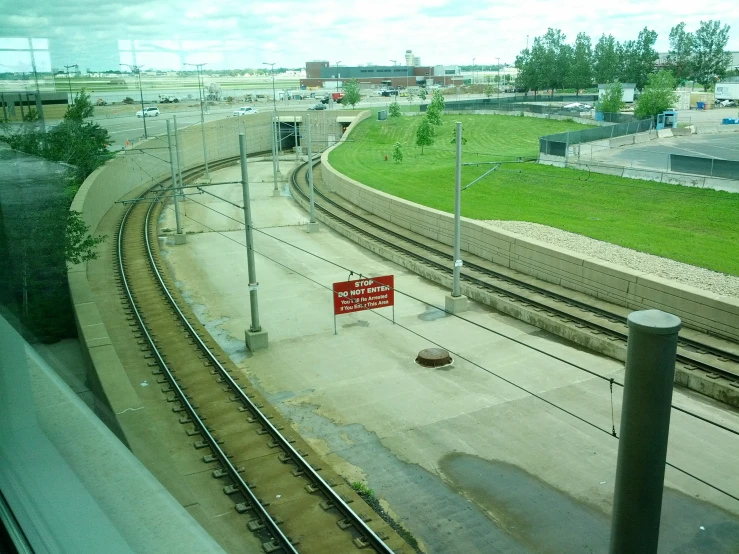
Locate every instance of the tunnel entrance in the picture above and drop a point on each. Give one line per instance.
(289, 135)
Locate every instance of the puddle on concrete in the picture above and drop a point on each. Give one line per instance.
(548, 520)
(432, 314)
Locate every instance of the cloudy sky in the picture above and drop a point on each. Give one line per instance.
(237, 34)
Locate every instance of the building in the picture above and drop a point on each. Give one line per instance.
(320, 74)
(733, 64)
(627, 88)
(411, 60)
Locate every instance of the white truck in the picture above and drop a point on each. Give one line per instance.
(727, 91)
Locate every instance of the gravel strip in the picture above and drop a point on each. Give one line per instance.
(698, 277)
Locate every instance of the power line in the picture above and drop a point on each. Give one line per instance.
(610, 380)
(508, 381)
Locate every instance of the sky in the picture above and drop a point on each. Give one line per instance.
(239, 34)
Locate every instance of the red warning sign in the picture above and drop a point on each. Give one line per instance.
(364, 294)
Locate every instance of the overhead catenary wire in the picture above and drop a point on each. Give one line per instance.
(610, 380)
(611, 433)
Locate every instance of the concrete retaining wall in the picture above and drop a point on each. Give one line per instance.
(621, 285)
(143, 165)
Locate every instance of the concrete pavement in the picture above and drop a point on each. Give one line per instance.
(468, 462)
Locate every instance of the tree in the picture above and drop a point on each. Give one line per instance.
(658, 95)
(612, 99)
(607, 60)
(422, 94)
(680, 57)
(352, 94)
(489, 86)
(397, 153)
(425, 133)
(79, 245)
(711, 60)
(435, 109)
(581, 72)
(80, 109)
(454, 137)
(395, 110)
(639, 58)
(557, 57)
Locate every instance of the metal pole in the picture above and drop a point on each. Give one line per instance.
(457, 213)
(310, 169)
(175, 188)
(297, 145)
(180, 161)
(202, 123)
(141, 92)
(645, 426)
(253, 301)
(274, 157)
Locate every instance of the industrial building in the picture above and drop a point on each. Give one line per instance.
(321, 74)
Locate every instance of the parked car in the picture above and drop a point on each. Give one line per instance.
(389, 93)
(727, 103)
(148, 112)
(319, 106)
(245, 110)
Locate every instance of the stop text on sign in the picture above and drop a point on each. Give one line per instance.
(364, 294)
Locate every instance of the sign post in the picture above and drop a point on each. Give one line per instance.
(364, 294)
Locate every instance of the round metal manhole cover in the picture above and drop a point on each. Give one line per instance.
(433, 357)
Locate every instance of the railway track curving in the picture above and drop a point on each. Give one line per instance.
(273, 477)
(713, 357)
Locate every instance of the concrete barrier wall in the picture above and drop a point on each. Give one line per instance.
(611, 282)
(143, 165)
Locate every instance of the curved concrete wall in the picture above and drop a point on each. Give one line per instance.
(140, 166)
(620, 285)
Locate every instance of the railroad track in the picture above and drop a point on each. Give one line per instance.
(712, 356)
(273, 477)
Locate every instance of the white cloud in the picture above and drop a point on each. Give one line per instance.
(290, 32)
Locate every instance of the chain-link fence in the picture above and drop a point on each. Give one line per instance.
(520, 103)
(710, 167)
(558, 143)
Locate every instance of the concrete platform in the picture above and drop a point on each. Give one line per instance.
(467, 461)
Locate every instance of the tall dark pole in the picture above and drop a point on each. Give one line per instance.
(275, 127)
(498, 81)
(69, 80)
(136, 70)
(645, 427)
(199, 67)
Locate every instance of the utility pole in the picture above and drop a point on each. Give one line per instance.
(312, 225)
(474, 80)
(498, 81)
(136, 70)
(179, 237)
(69, 80)
(199, 67)
(256, 338)
(456, 302)
(276, 154)
(337, 75)
(180, 161)
(275, 166)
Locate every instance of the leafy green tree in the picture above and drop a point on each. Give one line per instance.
(680, 59)
(454, 137)
(489, 90)
(658, 95)
(557, 58)
(395, 110)
(612, 99)
(422, 94)
(80, 109)
(352, 94)
(607, 59)
(425, 133)
(397, 153)
(79, 245)
(436, 108)
(639, 58)
(581, 71)
(711, 59)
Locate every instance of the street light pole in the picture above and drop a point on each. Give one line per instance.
(498, 79)
(275, 127)
(69, 80)
(337, 75)
(199, 67)
(136, 70)
(474, 80)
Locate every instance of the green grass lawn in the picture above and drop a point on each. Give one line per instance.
(695, 226)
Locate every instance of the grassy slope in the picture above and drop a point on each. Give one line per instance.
(691, 225)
